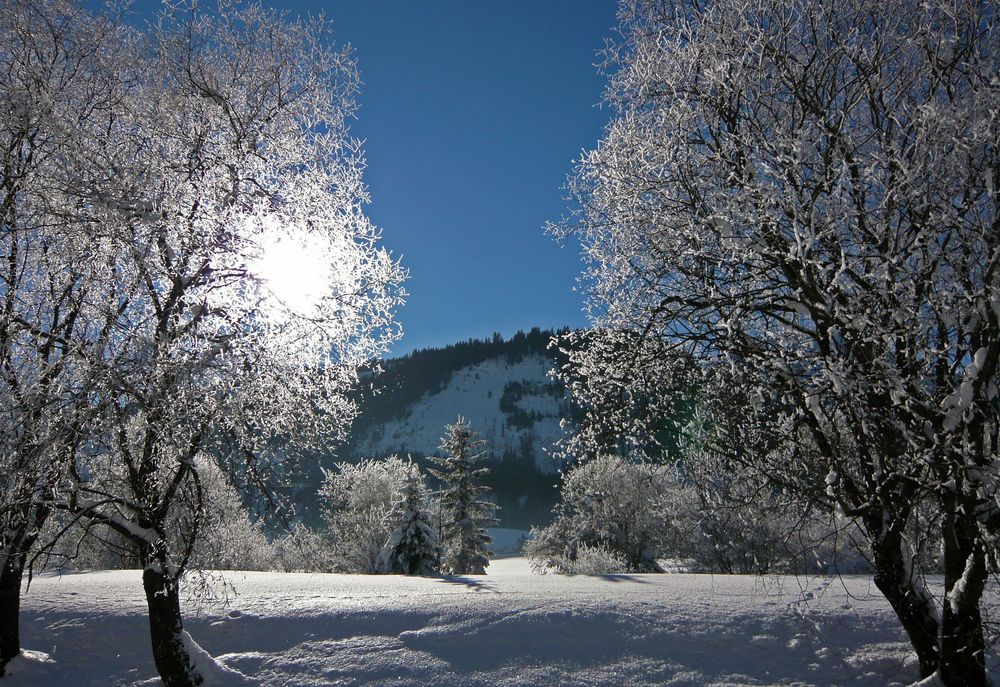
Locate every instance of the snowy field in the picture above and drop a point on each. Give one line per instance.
(508, 628)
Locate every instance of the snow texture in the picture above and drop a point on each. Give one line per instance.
(507, 628)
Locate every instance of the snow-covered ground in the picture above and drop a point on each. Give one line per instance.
(508, 628)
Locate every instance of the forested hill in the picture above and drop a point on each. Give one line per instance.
(520, 364)
(499, 385)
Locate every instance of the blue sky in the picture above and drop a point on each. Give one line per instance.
(473, 113)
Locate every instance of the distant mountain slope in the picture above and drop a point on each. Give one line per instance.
(501, 386)
(513, 406)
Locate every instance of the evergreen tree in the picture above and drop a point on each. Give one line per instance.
(464, 516)
(412, 548)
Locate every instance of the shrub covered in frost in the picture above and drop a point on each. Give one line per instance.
(609, 504)
(588, 560)
(226, 536)
(303, 550)
(616, 510)
(357, 500)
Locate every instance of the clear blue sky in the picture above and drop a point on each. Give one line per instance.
(473, 113)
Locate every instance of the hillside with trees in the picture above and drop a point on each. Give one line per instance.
(501, 385)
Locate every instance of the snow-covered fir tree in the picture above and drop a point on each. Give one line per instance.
(412, 548)
(464, 515)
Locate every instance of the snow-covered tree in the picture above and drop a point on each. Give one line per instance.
(357, 500)
(412, 547)
(60, 84)
(464, 515)
(250, 285)
(802, 197)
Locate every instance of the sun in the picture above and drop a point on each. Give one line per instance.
(293, 268)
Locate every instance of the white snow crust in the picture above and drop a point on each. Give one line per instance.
(507, 628)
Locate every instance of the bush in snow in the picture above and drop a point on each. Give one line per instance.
(412, 547)
(228, 537)
(732, 526)
(736, 520)
(728, 522)
(587, 559)
(357, 502)
(708, 517)
(69, 543)
(464, 516)
(609, 504)
(224, 534)
(303, 549)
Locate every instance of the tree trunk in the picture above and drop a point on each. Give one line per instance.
(10, 609)
(914, 609)
(18, 547)
(165, 630)
(963, 648)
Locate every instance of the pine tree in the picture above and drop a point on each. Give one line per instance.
(464, 516)
(412, 548)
